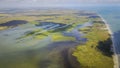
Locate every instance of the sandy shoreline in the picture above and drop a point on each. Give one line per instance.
(107, 25)
(115, 56)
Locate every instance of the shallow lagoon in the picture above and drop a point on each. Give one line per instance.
(31, 52)
(23, 51)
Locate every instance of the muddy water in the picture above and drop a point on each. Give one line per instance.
(34, 53)
(54, 55)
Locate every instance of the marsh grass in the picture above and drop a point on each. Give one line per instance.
(88, 55)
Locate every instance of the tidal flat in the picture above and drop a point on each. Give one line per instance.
(54, 39)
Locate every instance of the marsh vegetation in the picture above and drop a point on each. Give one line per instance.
(54, 39)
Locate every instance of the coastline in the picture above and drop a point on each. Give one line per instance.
(107, 25)
(115, 57)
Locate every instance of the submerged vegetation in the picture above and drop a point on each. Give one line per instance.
(56, 39)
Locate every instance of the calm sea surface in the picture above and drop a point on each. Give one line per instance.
(110, 13)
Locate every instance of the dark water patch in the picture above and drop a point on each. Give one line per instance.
(62, 28)
(85, 14)
(66, 62)
(14, 23)
(116, 40)
(117, 17)
(94, 16)
(50, 25)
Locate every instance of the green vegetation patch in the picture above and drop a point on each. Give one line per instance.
(60, 37)
(93, 54)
